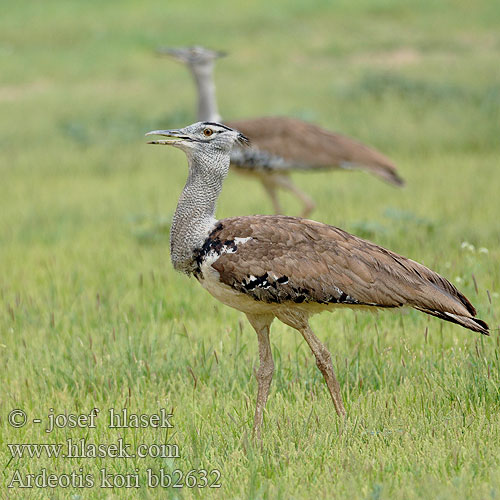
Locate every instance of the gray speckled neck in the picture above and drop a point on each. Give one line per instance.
(194, 217)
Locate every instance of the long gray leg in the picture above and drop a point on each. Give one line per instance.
(285, 182)
(270, 187)
(324, 363)
(261, 324)
(322, 354)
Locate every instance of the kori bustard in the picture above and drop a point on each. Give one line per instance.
(289, 268)
(281, 144)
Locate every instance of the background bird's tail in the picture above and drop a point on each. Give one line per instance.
(387, 172)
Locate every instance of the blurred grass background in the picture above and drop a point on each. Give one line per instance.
(92, 313)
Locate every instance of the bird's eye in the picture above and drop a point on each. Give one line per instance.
(207, 132)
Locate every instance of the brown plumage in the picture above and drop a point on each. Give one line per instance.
(289, 262)
(286, 267)
(303, 145)
(291, 268)
(281, 145)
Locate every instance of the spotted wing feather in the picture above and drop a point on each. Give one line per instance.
(298, 261)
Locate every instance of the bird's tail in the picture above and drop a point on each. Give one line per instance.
(474, 324)
(385, 171)
(389, 175)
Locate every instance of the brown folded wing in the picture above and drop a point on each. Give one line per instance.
(278, 259)
(307, 146)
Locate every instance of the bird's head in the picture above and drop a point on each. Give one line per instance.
(196, 57)
(201, 138)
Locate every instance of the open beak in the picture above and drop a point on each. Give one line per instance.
(173, 137)
(178, 54)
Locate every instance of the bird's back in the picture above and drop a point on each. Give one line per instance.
(304, 145)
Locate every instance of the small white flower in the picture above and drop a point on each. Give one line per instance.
(483, 250)
(459, 280)
(467, 246)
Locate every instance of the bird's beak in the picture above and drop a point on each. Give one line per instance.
(184, 54)
(178, 54)
(174, 137)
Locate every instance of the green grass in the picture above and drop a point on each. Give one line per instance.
(92, 314)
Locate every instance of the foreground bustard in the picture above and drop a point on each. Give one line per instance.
(281, 144)
(273, 266)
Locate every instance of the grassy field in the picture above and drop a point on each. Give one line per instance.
(92, 314)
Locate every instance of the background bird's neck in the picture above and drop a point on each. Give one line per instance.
(207, 101)
(194, 217)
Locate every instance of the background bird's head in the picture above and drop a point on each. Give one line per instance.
(196, 57)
